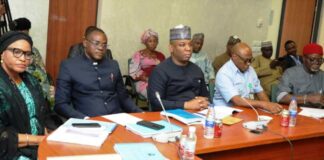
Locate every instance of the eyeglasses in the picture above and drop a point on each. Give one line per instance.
(97, 44)
(18, 53)
(246, 61)
(316, 60)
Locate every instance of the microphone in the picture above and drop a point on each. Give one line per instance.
(165, 136)
(256, 126)
(157, 94)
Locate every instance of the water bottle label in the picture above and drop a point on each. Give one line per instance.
(293, 113)
(209, 123)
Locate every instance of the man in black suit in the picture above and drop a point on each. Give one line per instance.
(291, 58)
(91, 85)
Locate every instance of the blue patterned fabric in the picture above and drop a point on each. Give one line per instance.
(30, 106)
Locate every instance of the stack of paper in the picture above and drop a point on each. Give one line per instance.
(182, 116)
(138, 151)
(85, 136)
(148, 132)
(312, 112)
(221, 111)
(122, 118)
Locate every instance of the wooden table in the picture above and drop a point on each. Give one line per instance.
(236, 142)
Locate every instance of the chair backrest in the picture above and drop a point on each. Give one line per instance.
(211, 88)
(274, 90)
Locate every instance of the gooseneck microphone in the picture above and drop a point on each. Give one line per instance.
(255, 126)
(157, 94)
(256, 112)
(169, 136)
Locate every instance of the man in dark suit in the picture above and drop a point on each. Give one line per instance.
(291, 58)
(91, 85)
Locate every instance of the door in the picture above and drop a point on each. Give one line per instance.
(66, 24)
(296, 24)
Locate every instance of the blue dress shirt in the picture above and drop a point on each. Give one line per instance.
(230, 82)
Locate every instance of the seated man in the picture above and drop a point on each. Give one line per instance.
(78, 49)
(201, 59)
(291, 59)
(305, 82)
(91, 85)
(237, 83)
(179, 82)
(261, 65)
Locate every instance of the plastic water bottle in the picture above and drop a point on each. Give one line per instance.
(182, 146)
(190, 145)
(292, 112)
(209, 123)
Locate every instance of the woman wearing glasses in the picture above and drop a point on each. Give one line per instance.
(23, 110)
(143, 61)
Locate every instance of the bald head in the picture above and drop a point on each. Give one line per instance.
(242, 56)
(242, 49)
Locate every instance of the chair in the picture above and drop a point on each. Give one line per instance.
(274, 90)
(131, 88)
(211, 89)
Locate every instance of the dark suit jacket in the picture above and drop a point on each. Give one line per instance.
(288, 62)
(78, 49)
(87, 88)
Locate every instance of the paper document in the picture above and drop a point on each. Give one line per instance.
(138, 151)
(312, 112)
(85, 136)
(122, 118)
(88, 157)
(221, 111)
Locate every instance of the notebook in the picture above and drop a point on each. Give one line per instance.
(138, 151)
(183, 116)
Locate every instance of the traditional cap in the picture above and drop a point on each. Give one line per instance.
(10, 37)
(180, 32)
(313, 48)
(198, 36)
(266, 44)
(20, 24)
(233, 40)
(147, 34)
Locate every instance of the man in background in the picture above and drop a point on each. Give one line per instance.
(220, 60)
(179, 82)
(261, 65)
(201, 59)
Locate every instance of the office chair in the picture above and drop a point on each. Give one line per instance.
(274, 90)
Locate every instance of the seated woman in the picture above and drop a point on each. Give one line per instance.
(24, 115)
(143, 61)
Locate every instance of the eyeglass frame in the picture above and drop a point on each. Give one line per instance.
(246, 61)
(313, 60)
(29, 55)
(97, 44)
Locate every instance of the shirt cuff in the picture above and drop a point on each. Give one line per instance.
(281, 95)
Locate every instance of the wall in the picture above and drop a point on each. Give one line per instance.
(320, 38)
(124, 21)
(37, 12)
